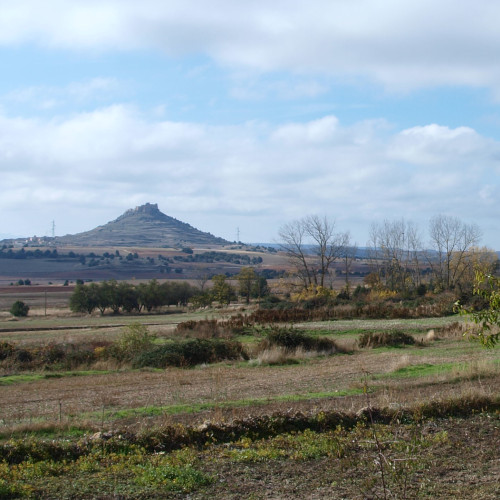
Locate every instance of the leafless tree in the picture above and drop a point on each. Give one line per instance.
(394, 253)
(451, 239)
(202, 281)
(348, 255)
(312, 245)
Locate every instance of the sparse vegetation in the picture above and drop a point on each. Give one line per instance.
(262, 390)
(385, 339)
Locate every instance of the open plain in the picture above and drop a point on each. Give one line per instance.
(441, 393)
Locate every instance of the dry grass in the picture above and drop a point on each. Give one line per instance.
(273, 373)
(25, 402)
(400, 362)
(476, 369)
(277, 355)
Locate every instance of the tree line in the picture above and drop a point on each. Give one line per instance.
(126, 297)
(399, 260)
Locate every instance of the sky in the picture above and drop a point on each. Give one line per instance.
(240, 117)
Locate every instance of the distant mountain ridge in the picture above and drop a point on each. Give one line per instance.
(144, 225)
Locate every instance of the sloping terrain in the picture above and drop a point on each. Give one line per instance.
(142, 226)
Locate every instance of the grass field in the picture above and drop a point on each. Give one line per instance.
(252, 428)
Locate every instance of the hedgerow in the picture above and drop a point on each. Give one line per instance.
(190, 353)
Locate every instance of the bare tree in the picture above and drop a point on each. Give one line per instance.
(202, 281)
(394, 253)
(293, 242)
(348, 255)
(312, 245)
(451, 239)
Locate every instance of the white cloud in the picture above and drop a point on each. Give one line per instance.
(249, 87)
(315, 132)
(113, 158)
(434, 144)
(401, 44)
(52, 97)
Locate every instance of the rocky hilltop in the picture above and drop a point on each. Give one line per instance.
(142, 226)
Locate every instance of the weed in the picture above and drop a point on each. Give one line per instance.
(171, 477)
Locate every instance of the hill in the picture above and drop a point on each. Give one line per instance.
(144, 226)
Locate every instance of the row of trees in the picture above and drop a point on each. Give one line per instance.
(127, 297)
(399, 258)
(250, 285)
(396, 252)
(124, 296)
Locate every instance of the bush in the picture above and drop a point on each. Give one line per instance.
(385, 339)
(189, 353)
(6, 350)
(206, 328)
(23, 356)
(274, 302)
(51, 354)
(19, 308)
(134, 339)
(292, 339)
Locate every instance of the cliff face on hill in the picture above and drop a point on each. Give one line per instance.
(142, 226)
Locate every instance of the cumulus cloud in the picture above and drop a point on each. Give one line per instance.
(434, 144)
(401, 44)
(216, 176)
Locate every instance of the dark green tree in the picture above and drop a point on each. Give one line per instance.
(127, 297)
(19, 309)
(150, 295)
(84, 298)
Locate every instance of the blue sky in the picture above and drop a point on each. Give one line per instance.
(249, 114)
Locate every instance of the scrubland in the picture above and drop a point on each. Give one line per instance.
(123, 406)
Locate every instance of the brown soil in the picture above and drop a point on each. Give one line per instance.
(466, 466)
(73, 396)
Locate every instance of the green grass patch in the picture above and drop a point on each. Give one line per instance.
(197, 407)
(418, 325)
(20, 379)
(131, 473)
(26, 377)
(302, 446)
(47, 432)
(429, 370)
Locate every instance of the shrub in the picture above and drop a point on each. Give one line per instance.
(52, 353)
(288, 338)
(388, 339)
(19, 308)
(207, 328)
(291, 340)
(6, 350)
(77, 356)
(189, 353)
(23, 356)
(134, 339)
